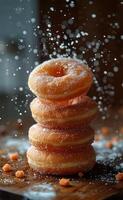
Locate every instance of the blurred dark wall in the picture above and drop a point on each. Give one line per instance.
(18, 48)
(17, 43)
(102, 47)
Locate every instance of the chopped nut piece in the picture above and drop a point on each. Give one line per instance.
(105, 131)
(114, 140)
(109, 145)
(19, 174)
(7, 168)
(64, 182)
(119, 176)
(14, 156)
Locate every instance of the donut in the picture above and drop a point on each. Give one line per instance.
(74, 114)
(61, 163)
(60, 79)
(60, 140)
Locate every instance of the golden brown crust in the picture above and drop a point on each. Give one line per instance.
(60, 79)
(60, 140)
(61, 163)
(69, 115)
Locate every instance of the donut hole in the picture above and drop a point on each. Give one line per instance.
(56, 71)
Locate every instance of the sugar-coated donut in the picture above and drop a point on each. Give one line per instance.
(60, 140)
(70, 115)
(61, 163)
(60, 79)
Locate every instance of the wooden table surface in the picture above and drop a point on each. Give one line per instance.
(97, 184)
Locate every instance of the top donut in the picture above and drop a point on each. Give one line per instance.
(60, 79)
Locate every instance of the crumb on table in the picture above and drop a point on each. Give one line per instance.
(109, 145)
(7, 167)
(14, 156)
(19, 174)
(64, 182)
(119, 176)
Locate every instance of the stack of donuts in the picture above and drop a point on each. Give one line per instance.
(61, 140)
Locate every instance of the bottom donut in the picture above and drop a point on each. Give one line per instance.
(61, 163)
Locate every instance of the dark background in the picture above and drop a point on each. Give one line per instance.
(33, 31)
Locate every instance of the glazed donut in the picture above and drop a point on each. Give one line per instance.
(60, 79)
(76, 113)
(61, 163)
(60, 140)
